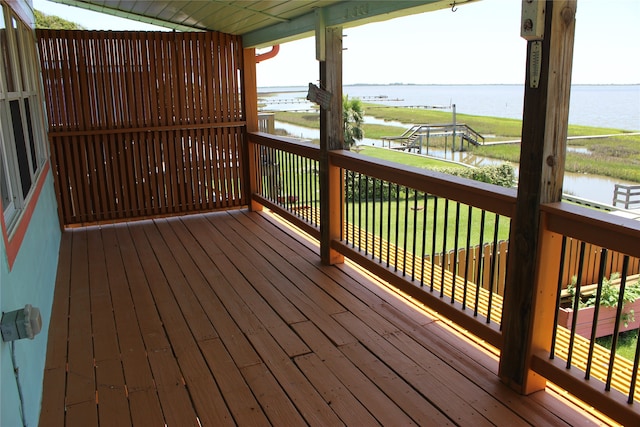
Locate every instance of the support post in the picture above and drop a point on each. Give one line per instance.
(250, 157)
(542, 158)
(331, 138)
(453, 136)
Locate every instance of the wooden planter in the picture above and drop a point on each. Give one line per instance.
(606, 319)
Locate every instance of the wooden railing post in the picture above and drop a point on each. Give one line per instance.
(544, 301)
(331, 138)
(542, 156)
(251, 116)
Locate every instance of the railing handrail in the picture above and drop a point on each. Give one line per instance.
(292, 145)
(499, 200)
(588, 226)
(603, 229)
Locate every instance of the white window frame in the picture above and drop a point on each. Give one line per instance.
(22, 53)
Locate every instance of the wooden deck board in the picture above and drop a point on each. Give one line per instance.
(380, 406)
(227, 319)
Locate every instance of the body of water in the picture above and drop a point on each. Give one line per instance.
(610, 106)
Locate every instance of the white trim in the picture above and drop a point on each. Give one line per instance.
(22, 54)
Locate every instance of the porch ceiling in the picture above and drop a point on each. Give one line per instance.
(260, 22)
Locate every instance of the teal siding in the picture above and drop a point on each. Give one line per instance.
(30, 281)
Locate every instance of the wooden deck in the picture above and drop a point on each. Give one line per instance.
(229, 319)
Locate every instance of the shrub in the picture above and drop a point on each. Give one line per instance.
(503, 175)
(609, 295)
(362, 187)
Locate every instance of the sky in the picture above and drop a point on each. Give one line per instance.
(479, 43)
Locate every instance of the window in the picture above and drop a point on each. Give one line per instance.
(23, 148)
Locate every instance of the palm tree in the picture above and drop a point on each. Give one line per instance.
(353, 117)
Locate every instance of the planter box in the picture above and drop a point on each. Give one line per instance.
(606, 319)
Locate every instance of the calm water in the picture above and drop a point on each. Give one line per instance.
(611, 106)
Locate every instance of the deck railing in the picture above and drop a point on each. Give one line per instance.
(396, 220)
(626, 195)
(285, 178)
(589, 371)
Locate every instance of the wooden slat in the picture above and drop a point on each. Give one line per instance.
(105, 344)
(445, 399)
(252, 295)
(392, 384)
(113, 404)
(56, 362)
(204, 392)
(224, 319)
(81, 376)
(174, 397)
(245, 408)
(138, 130)
(385, 411)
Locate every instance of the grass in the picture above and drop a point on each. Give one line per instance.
(411, 214)
(406, 158)
(626, 345)
(504, 129)
(615, 156)
(414, 214)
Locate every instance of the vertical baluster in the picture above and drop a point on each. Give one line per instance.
(596, 312)
(288, 167)
(343, 203)
(306, 191)
(558, 296)
(576, 304)
(359, 211)
(381, 217)
(468, 254)
(494, 259)
(479, 263)
(280, 182)
(315, 193)
(366, 215)
(634, 373)
(389, 224)
(454, 270)
(406, 231)
(349, 197)
(415, 238)
(616, 328)
(424, 238)
(433, 241)
(445, 230)
(395, 240)
(373, 219)
(300, 182)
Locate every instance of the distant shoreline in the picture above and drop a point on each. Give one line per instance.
(612, 106)
(300, 88)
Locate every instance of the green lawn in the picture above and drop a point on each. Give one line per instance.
(626, 346)
(413, 214)
(406, 158)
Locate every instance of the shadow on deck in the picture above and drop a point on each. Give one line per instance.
(230, 319)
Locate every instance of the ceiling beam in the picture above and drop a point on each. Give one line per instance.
(128, 15)
(343, 14)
